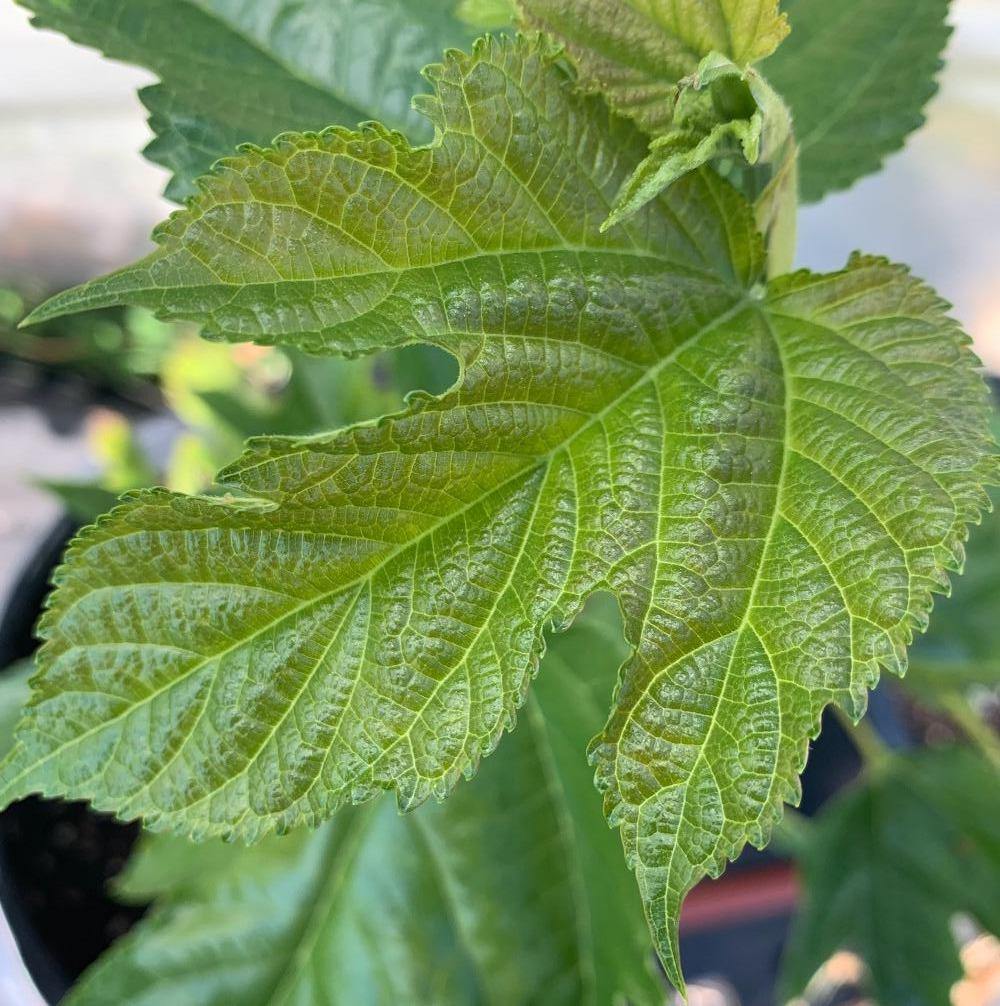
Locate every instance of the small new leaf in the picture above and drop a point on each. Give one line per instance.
(723, 112)
(670, 68)
(635, 52)
(772, 478)
(697, 135)
(887, 865)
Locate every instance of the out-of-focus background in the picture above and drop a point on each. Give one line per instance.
(77, 199)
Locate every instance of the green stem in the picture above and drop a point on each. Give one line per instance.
(972, 725)
(777, 204)
(864, 738)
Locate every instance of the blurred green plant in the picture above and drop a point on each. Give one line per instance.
(888, 864)
(223, 395)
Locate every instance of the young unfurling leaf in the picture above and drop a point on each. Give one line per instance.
(855, 75)
(723, 113)
(772, 478)
(682, 73)
(635, 52)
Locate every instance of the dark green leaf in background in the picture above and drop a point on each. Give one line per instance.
(243, 71)
(857, 75)
(886, 867)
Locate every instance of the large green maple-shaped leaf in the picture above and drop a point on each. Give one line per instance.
(508, 893)
(886, 866)
(771, 478)
(235, 71)
(857, 75)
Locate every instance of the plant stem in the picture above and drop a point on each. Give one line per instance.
(864, 738)
(972, 725)
(777, 214)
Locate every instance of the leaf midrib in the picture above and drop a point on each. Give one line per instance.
(96, 296)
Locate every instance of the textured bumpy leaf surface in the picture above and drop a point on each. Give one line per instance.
(886, 866)
(511, 892)
(236, 71)
(857, 75)
(772, 478)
